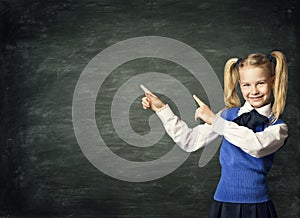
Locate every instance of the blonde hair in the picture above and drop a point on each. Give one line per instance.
(275, 64)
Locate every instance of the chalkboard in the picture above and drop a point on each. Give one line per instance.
(47, 46)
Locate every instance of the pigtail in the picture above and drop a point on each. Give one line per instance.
(280, 83)
(231, 79)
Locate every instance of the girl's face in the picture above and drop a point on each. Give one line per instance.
(256, 85)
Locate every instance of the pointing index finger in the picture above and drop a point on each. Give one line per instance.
(200, 103)
(147, 91)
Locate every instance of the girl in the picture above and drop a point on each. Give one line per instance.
(251, 133)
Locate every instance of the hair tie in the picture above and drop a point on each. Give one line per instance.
(238, 63)
(272, 59)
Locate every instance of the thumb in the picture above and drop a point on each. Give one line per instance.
(150, 95)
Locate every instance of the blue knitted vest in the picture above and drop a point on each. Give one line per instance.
(243, 178)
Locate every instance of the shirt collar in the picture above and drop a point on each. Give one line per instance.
(265, 110)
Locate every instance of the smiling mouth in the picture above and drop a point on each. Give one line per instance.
(256, 98)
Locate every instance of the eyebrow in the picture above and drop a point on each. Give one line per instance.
(261, 80)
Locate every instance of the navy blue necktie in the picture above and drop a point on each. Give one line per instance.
(253, 120)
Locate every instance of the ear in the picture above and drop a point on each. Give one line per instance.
(273, 82)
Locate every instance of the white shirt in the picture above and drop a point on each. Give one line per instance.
(257, 144)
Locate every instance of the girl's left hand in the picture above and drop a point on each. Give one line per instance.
(203, 112)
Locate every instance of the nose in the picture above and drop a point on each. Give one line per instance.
(254, 90)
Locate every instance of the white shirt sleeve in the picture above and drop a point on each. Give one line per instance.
(188, 139)
(257, 144)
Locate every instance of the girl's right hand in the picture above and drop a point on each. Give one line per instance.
(152, 101)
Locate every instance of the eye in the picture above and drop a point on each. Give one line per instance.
(261, 83)
(246, 85)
